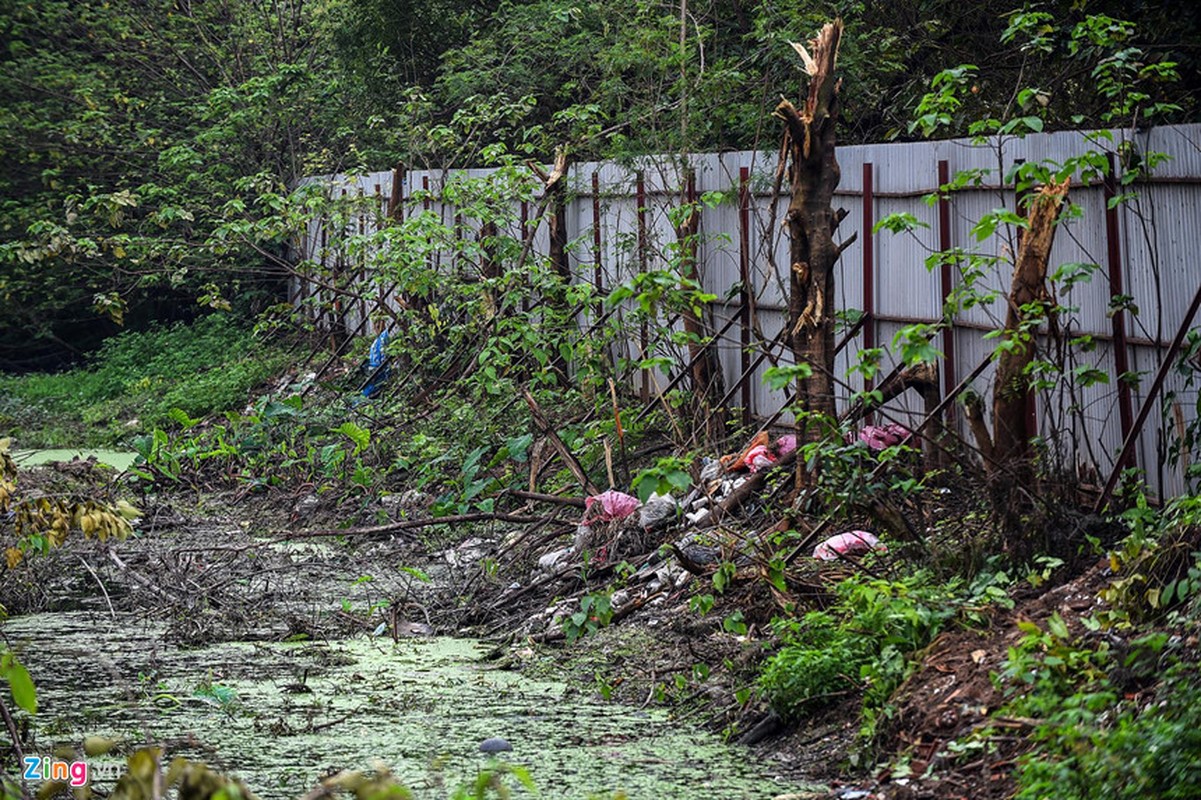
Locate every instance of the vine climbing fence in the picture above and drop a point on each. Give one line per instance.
(1125, 257)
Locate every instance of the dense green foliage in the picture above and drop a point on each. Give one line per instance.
(862, 642)
(137, 138)
(135, 380)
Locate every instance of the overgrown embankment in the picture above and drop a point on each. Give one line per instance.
(136, 381)
(939, 667)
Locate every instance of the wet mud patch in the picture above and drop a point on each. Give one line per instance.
(282, 715)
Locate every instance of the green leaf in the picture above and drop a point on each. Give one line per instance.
(361, 437)
(1057, 626)
(19, 682)
(778, 378)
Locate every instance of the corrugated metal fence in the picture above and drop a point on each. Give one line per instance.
(1144, 248)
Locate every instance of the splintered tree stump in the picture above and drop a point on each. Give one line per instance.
(809, 144)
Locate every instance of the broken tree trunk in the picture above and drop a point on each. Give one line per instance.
(555, 199)
(1009, 448)
(809, 141)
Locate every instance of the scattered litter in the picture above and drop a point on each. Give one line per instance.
(878, 437)
(612, 505)
(551, 560)
(851, 543)
(377, 365)
(759, 457)
(495, 744)
(734, 463)
(657, 511)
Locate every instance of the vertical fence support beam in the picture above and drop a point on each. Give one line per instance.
(337, 320)
(396, 198)
(744, 277)
(869, 267)
(945, 279)
(640, 199)
(1113, 245)
(597, 279)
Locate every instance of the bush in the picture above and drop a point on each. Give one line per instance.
(863, 641)
(205, 367)
(1087, 751)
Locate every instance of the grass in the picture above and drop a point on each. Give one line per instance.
(134, 380)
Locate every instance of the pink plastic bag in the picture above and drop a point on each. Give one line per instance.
(878, 437)
(785, 444)
(612, 505)
(851, 543)
(759, 457)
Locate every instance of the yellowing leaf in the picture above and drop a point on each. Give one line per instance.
(128, 510)
(13, 556)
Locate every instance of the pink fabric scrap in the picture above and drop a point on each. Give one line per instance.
(759, 457)
(851, 543)
(878, 437)
(785, 444)
(612, 505)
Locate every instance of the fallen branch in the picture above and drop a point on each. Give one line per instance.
(411, 524)
(548, 431)
(575, 502)
(749, 488)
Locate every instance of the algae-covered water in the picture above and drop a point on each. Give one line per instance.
(119, 459)
(281, 716)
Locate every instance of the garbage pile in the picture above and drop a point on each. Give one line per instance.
(617, 526)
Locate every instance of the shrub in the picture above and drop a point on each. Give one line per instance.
(863, 641)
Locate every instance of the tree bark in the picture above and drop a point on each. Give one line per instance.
(706, 375)
(555, 196)
(1010, 446)
(809, 141)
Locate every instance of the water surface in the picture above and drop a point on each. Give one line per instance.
(280, 716)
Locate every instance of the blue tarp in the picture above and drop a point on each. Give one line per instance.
(377, 360)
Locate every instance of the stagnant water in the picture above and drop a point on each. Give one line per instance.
(280, 716)
(120, 459)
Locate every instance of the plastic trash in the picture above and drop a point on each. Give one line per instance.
(878, 437)
(759, 457)
(657, 511)
(711, 469)
(608, 506)
(851, 543)
(785, 444)
(733, 463)
(377, 364)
